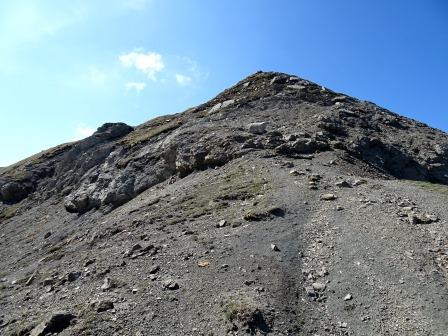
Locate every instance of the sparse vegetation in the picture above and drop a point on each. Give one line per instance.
(151, 129)
(235, 310)
(8, 212)
(434, 187)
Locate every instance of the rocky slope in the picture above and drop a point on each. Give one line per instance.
(279, 207)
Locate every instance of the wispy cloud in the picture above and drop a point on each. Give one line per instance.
(26, 23)
(137, 86)
(82, 131)
(149, 63)
(183, 80)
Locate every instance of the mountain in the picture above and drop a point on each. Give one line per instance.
(279, 207)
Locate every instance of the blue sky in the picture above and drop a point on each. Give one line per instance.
(66, 67)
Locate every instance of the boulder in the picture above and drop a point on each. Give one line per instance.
(53, 324)
(257, 128)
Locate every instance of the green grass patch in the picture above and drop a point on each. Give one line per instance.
(151, 129)
(8, 212)
(433, 187)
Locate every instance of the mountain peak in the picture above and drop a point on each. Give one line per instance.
(287, 201)
(301, 117)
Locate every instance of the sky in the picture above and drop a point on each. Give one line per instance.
(68, 66)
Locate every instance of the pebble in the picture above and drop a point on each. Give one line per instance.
(275, 248)
(103, 305)
(222, 223)
(170, 284)
(107, 284)
(348, 297)
(72, 276)
(318, 286)
(328, 197)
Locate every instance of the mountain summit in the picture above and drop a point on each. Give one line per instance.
(279, 207)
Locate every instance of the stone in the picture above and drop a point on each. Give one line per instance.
(276, 80)
(323, 272)
(257, 128)
(154, 269)
(215, 108)
(311, 293)
(342, 325)
(89, 262)
(314, 178)
(108, 284)
(227, 103)
(358, 182)
(31, 278)
(339, 99)
(295, 87)
(275, 248)
(103, 305)
(47, 235)
(348, 297)
(113, 130)
(328, 197)
(222, 223)
(72, 276)
(318, 286)
(13, 192)
(343, 184)
(295, 172)
(170, 284)
(48, 282)
(421, 218)
(203, 263)
(53, 324)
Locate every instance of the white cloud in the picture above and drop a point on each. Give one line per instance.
(183, 80)
(149, 63)
(137, 86)
(82, 132)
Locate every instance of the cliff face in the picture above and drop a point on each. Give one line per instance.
(279, 207)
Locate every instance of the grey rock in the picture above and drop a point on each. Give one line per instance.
(343, 184)
(328, 197)
(318, 286)
(72, 276)
(257, 128)
(53, 324)
(170, 284)
(102, 305)
(154, 269)
(108, 284)
(348, 297)
(222, 223)
(275, 248)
